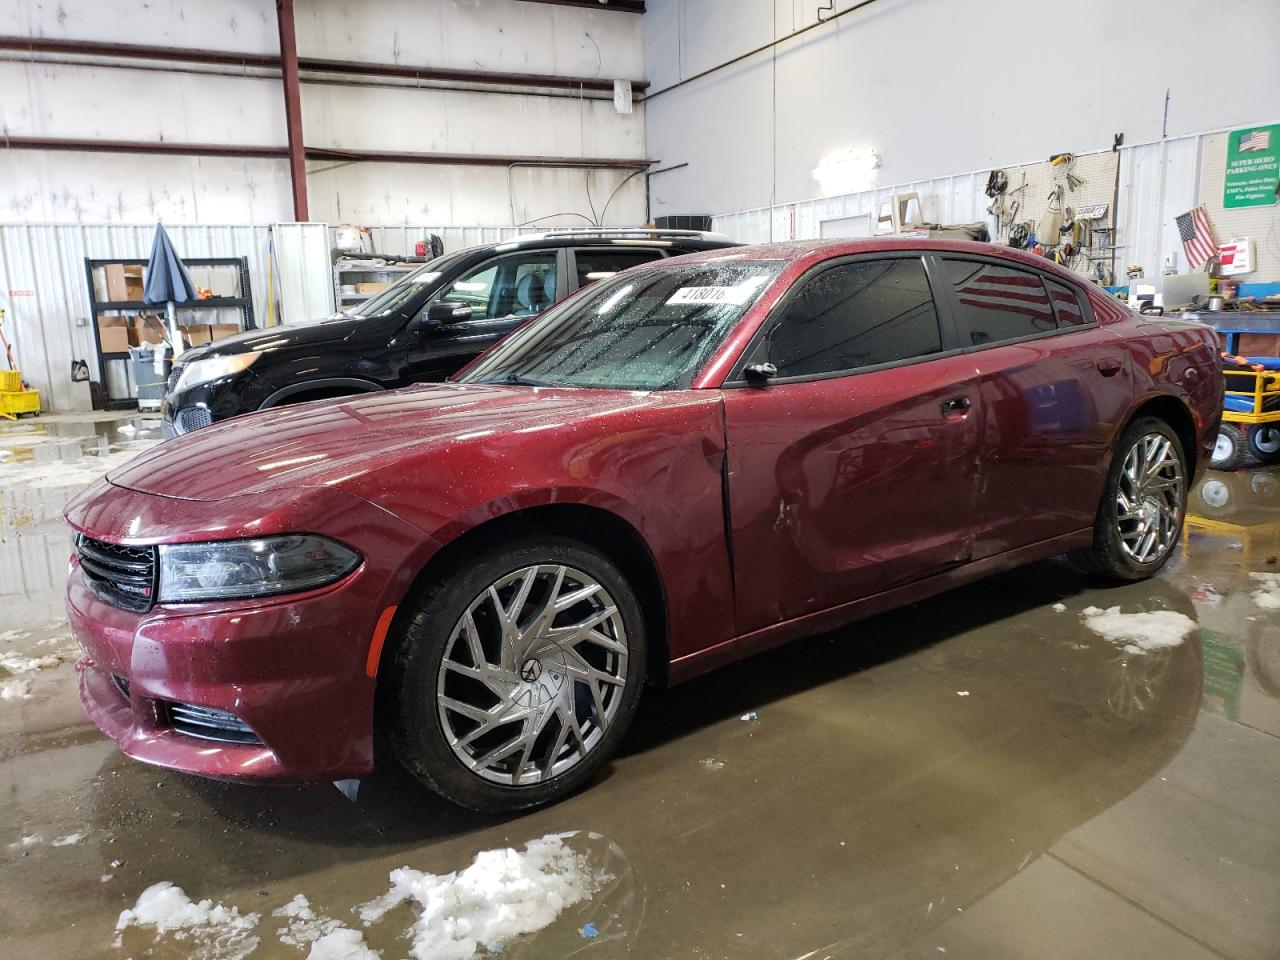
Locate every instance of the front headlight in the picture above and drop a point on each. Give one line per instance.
(238, 569)
(203, 371)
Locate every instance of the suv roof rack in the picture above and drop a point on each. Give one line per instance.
(608, 233)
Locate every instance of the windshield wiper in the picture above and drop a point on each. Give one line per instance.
(519, 380)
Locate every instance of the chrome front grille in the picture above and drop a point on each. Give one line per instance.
(174, 373)
(208, 723)
(124, 577)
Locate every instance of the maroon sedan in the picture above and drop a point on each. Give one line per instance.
(676, 467)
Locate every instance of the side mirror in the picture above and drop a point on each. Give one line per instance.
(443, 313)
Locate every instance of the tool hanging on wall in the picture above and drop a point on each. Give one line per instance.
(1050, 226)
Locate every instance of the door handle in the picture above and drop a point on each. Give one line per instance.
(956, 405)
(1110, 366)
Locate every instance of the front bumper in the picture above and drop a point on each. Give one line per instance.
(292, 671)
(292, 668)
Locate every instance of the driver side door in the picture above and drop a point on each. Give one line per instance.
(855, 468)
(503, 293)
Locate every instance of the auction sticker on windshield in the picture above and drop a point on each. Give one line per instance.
(737, 294)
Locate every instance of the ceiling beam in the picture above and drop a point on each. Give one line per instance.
(613, 6)
(167, 148)
(136, 51)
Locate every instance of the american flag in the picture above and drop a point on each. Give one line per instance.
(1255, 140)
(1197, 239)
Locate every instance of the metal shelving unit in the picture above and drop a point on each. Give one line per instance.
(390, 273)
(244, 303)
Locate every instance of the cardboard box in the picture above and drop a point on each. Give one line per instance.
(219, 330)
(124, 282)
(372, 286)
(113, 334)
(195, 334)
(146, 330)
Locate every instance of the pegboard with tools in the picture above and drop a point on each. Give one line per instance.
(1062, 207)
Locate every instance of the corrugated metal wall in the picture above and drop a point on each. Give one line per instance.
(1158, 181)
(400, 241)
(46, 298)
(957, 199)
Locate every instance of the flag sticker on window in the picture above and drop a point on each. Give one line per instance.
(736, 295)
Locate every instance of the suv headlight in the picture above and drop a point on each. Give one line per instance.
(213, 368)
(238, 569)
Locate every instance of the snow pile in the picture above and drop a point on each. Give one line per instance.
(1267, 596)
(15, 690)
(69, 840)
(216, 932)
(1140, 632)
(503, 894)
(16, 665)
(328, 938)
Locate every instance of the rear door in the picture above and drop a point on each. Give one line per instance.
(855, 469)
(590, 264)
(1054, 387)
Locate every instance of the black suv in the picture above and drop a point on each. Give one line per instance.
(424, 327)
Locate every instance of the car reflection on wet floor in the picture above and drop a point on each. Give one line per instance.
(982, 773)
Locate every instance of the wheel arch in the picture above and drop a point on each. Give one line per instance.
(600, 528)
(297, 390)
(1177, 414)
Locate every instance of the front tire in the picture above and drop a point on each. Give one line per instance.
(518, 674)
(1144, 503)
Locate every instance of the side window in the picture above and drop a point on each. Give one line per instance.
(514, 286)
(1066, 305)
(856, 315)
(600, 262)
(999, 303)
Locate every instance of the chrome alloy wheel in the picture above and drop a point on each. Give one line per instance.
(532, 675)
(1149, 498)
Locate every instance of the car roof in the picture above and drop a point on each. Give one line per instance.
(814, 251)
(617, 237)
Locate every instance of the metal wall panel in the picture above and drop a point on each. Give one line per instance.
(44, 292)
(1158, 181)
(400, 241)
(957, 199)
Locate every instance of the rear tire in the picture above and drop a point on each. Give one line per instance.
(490, 658)
(1144, 503)
(1263, 440)
(1229, 449)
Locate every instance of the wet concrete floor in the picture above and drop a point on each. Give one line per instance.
(980, 775)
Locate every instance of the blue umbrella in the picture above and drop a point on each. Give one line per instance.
(168, 283)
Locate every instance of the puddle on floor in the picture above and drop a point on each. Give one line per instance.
(981, 774)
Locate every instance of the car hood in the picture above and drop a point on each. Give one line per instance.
(278, 338)
(338, 442)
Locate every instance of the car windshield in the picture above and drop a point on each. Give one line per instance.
(648, 330)
(404, 289)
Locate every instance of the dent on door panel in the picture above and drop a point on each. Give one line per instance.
(844, 487)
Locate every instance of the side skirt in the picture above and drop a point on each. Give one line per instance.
(690, 666)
